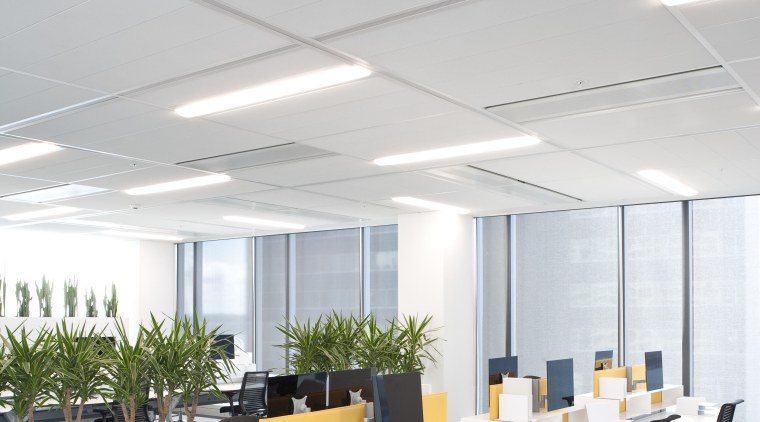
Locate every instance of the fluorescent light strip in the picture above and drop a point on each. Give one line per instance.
(273, 90)
(142, 235)
(664, 181)
(459, 151)
(26, 151)
(47, 212)
(179, 184)
(678, 2)
(430, 205)
(265, 223)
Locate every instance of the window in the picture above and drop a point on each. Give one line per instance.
(272, 298)
(327, 273)
(726, 291)
(226, 290)
(566, 289)
(654, 285)
(383, 271)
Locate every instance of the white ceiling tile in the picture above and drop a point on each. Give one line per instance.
(77, 26)
(10, 184)
(23, 96)
(475, 200)
(736, 40)
(363, 211)
(18, 15)
(384, 187)
(310, 171)
(688, 116)
(750, 72)
(69, 165)
(415, 135)
(292, 198)
(242, 76)
(187, 40)
(710, 13)
(544, 167)
(298, 16)
(612, 187)
(190, 140)
(144, 177)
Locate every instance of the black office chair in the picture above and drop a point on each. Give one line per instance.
(241, 418)
(727, 411)
(252, 398)
(114, 413)
(669, 418)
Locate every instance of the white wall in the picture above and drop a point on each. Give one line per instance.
(436, 275)
(143, 271)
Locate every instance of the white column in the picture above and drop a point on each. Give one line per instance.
(436, 276)
(158, 282)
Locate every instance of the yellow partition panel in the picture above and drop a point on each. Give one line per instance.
(656, 397)
(607, 373)
(435, 407)
(353, 413)
(493, 403)
(639, 373)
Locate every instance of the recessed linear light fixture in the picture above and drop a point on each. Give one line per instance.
(430, 205)
(47, 212)
(281, 88)
(678, 2)
(459, 151)
(666, 182)
(179, 184)
(142, 235)
(265, 223)
(26, 151)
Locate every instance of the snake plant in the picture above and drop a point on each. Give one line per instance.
(111, 304)
(90, 304)
(23, 298)
(70, 289)
(45, 297)
(3, 303)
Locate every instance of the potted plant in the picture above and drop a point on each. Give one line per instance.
(45, 297)
(23, 298)
(169, 349)
(77, 368)
(70, 289)
(376, 347)
(90, 304)
(126, 366)
(110, 305)
(204, 367)
(29, 371)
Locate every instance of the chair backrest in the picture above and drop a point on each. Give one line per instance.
(689, 406)
(727, 411)
(669, 418)
(253, 393)
(141, 412)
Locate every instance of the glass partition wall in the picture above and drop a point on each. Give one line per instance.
(680, 277)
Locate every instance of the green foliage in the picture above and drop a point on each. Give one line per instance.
(3, 303)
(126, 367)
(23, 298)
(90, 304)
(202, 368)
(77, 368)
(45, 297)
(110, 304)
(336, 342)
(29, 372)
(70, 301)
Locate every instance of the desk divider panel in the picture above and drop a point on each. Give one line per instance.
(639, 373)
(434, 407)
(608, 373)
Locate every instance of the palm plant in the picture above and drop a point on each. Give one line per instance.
(5, 360)
(23, 298)
(110, 305)
(77, 368)
(169, 350)
(126, 367)
(303, 342)
(204, 367)
(70, 289)
(376, 348)
(417, 343)
(29, 372)
(45, 297)
(90, 304)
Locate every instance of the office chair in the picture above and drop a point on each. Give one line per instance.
(727, 411)
(252, 398)
(669, 418)
(114, 413)
(241, 418)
